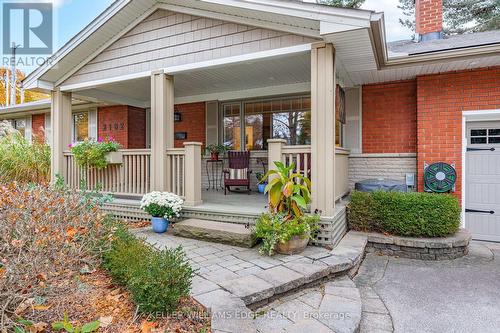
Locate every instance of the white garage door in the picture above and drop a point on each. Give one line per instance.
(482, 195)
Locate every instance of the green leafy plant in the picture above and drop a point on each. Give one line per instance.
(274, 229)
(157, 280)
(215, 148)
(289, 192)
(68, 327)
(90, 153)
(23, 161)
(405, 214)
(259, 176)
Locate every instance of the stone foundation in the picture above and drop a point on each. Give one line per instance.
(445, 248)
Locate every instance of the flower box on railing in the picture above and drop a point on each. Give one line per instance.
(114, 157)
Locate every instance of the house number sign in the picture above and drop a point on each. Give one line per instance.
(113, 126)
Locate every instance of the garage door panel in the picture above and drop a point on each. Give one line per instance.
(482, 180)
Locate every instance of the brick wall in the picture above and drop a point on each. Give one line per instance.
(193, 122)
(441, 100)
(38, 127)
(389, 117)
(136, 128)
(125, 124)
(428, 16)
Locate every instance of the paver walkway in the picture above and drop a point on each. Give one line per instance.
(334, 307)
(230, 279)
(406, 295)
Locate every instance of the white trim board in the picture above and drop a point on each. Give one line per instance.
(472, 116)
(244, 58)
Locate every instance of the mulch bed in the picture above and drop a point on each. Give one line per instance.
(94, 296)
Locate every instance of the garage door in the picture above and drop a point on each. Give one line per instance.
(482, 195)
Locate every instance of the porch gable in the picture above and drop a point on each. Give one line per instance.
(169, 38)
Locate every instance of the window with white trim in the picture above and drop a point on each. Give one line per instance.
(20, 126)
(482, 136)
(80, 126)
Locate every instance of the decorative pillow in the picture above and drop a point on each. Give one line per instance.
(238, 173)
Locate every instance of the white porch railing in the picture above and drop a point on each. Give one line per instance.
(176, 168)
(130, 178)
(301, 157)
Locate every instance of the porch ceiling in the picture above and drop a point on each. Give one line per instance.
(291, 72)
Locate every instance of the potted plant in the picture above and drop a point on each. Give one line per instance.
(162, 206)
(96, 154)
(262, 183)
(215, 150)
(286, 229)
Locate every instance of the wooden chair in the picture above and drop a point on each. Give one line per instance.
(238, 171)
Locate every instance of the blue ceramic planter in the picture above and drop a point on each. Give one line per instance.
(261, 187)
(160, 224)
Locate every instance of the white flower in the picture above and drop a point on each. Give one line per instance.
(163, 199)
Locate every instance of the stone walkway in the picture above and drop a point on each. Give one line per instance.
(231, 279)
(334, 307)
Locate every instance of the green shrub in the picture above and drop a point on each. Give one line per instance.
(404, 214)
(23, 161)
(156, 279)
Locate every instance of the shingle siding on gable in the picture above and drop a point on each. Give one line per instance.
(168, 39)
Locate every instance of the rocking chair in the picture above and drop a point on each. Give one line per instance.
(238, 173)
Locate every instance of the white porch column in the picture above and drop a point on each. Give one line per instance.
(162, 128)
(323, 128)
(61, 131)
(192, 165)
(274, 152)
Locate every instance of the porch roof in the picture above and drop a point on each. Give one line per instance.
(349, 29)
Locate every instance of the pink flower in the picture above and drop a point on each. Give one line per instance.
(100, 139)
(110, 138)
(70, 145)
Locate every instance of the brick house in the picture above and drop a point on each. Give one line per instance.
(173, 77)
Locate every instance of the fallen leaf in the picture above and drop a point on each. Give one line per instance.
(23, 306)
(41, 307)
(42, 277)
(106, 321)
(38, 327)
(147, 326)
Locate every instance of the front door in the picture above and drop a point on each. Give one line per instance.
(482, 169)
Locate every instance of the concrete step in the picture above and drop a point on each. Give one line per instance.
(214, 231)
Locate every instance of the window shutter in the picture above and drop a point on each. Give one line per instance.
(28, 130)
(48, 129)
(93, 124)
(212, 122)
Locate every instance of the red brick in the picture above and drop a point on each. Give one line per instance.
(428, 16)
(38, 127)
(193, 122)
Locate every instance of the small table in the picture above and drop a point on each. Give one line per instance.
(215, 174)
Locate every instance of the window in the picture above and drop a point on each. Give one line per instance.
(485, 136)
(20, 126)
(80, 126)
(286, 118)
(232, 123)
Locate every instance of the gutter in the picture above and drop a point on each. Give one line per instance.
(386, 62)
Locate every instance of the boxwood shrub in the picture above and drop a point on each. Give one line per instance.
(405, 214)
(156, 279)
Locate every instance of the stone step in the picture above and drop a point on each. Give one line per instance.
(214, 231)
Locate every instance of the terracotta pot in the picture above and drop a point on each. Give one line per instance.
(294, 246)
(214, 156)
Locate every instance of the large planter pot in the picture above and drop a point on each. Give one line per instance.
(294, 246)
(261, 187)
(114, 157)
(159, 224)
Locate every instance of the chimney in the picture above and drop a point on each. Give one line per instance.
(429, 19)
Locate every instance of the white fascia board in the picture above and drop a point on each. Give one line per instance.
(115, 99)
(239, 59)
(97, 83)
(331, 28)
(115, 7)
(298, 9)
(193, 66)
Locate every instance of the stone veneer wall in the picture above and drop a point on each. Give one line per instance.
(373, 166)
